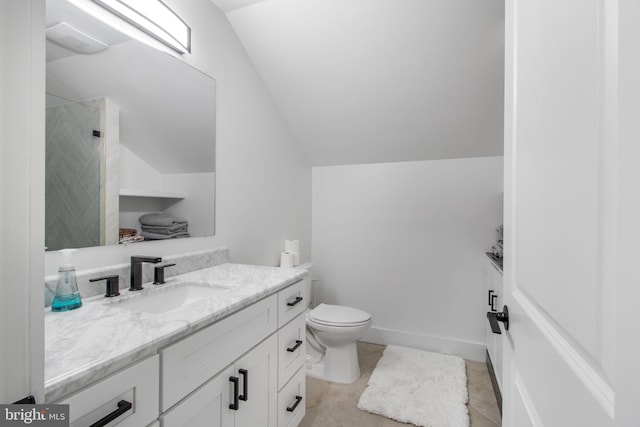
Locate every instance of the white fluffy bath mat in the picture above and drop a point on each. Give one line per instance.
(418, 387)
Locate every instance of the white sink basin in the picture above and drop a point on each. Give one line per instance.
(166, 299)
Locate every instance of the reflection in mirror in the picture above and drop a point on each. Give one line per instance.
(130, 131)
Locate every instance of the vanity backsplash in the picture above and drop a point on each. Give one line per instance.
(185, 263)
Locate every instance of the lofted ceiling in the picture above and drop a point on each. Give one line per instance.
(368, 81)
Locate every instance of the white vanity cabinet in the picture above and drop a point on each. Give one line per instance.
(245, 369)
(494, 341)
(239, 371)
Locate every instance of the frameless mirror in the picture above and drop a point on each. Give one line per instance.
(130, 130)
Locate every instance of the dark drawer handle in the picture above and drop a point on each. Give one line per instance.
(245, 384)
(123, 406)
(294, 302)
(295, 347)
(234, 405)
(295, 405)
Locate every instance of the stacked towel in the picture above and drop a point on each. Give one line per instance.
(160, 226)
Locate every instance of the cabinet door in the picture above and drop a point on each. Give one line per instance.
(209, 406)
(260, 370)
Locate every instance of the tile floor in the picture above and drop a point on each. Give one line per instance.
(335, 405)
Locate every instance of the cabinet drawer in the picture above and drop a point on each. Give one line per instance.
(191, 362)
(292, 392)
(137, 385)
(292, 301)
(291, 337)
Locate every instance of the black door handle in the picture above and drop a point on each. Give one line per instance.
(234, 405)
(494, 318)
(294, 302)
(123, 406)
(245, 384)
(295, 347)
(295, 405)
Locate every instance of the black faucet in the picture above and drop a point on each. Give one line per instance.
(136, 270)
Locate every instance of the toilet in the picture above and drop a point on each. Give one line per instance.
(336, 329)
(332, 333)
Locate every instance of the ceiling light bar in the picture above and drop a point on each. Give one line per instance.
(154, 18)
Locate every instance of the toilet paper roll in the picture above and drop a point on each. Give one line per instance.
(292, 246)
(286, 260)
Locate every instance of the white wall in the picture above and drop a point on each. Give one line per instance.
(263, 181)
(405, 242)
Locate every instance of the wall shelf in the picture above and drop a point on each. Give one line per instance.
(157, 194)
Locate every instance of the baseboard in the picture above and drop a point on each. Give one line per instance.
(494, 382)
(465, 349)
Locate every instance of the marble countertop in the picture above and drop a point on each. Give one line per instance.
(99, 338)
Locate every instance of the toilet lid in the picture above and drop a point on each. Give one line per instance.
(338, 315)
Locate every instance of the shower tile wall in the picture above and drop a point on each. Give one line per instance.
(73, 163)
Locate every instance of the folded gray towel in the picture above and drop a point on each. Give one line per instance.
(160, 219)
(176, 228)
(156, 236)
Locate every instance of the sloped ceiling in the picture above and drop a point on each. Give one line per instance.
(368, 81)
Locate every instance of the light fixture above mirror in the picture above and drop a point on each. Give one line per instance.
(154, 18)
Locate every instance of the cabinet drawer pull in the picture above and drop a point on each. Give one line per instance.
(234, 405)
(123, 406)
(245, 384)
(295, 405)
(294, 302)
(295, 347)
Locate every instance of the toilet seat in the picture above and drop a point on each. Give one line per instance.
(338, 316)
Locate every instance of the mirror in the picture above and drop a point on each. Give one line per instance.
(130, 131)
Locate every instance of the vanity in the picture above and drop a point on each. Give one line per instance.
(220, 346)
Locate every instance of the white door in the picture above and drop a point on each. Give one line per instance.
(571, 213)
(22, 63)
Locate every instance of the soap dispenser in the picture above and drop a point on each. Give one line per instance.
(67, 296)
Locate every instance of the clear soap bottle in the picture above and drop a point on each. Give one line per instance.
(67, 296)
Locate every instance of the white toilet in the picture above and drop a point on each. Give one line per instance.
(336, 328)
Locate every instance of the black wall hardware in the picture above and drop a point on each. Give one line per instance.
(158, 273)
(295, 405)
(295, 347)
(96, 133)
(29, 400)
(123, 406)
(245, 384)
(491, 291)
(113, 285)
(234, 405)
(294, 302)
(494, 318)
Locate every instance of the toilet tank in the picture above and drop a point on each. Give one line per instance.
(311, 283)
